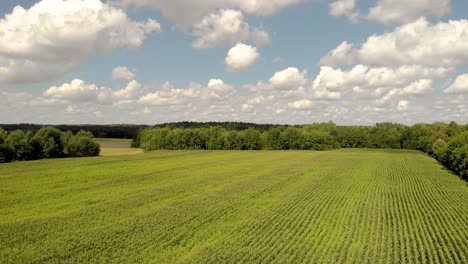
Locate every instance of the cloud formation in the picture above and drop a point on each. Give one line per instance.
(241, 56)
(403, 11)
(289, 78)
(344, 54)
(444, 44)
(227, 27)
(421, 43)
(184, 12)
(401, 75)
(122, 73)
(391, 11)
(361, 95)
(460, 85)
(78, 91)
(345, 8)
(35, 46)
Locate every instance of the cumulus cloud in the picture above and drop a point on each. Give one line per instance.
(345, 8)
(419, 87)
(286, 89)
(185, 12)
(342, 55)
(403, 11)
(460, 85)
(362, 77)
(215, 91)
(132, 91)
(360, 95)
(241, 56)
(122, 73)
(78, 91)
(421, 43)
(287, 96)
(400, 63)
(443, 44)
(301, 104)
(289, 78)
(402, 105)
(35, 46)
(167, 95)
(226, 27)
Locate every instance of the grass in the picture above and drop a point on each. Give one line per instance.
(116, 147)
(344, 206)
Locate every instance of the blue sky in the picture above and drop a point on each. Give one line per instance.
(283, 80)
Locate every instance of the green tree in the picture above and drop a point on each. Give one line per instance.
(18, 142)
(50, 139)
(272, 138)
(439, 144)
(454, 129)
(3, 135)
(87, 147)
(6, 153)
(215, 138)
(234, 140)
(66, 138)
(290, 138)
(252, 139)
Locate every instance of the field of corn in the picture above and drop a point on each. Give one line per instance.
(343, 206)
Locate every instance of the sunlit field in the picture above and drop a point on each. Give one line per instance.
(342, 206)
(116, 147)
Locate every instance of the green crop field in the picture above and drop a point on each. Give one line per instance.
(343, 206)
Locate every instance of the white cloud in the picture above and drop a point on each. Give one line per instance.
(256, 100)
(78, 91)
(123, 74)
(147, 111)
(402, 105)
(358, 96)
(217, 89)
(342, 55)
(241, 56)
(248, 108)
(460, 85)
(132, 91)
(227, 27)
(345, 8)
(167, 95)
(419, 87)
(444, 44)
(420, 43)
(185, 12)
(260, 37)
(301, 104)
(289, 78)
(403, 11)
(35, 45)
(362, 77)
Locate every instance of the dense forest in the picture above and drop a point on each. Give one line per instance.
(98, 131)
(47, 142)
(448, 143)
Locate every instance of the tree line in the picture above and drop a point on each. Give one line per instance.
(47, 142)
(448, 143)
(98, 131)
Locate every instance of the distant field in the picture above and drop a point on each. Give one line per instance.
(116, 147)
(343, 206)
